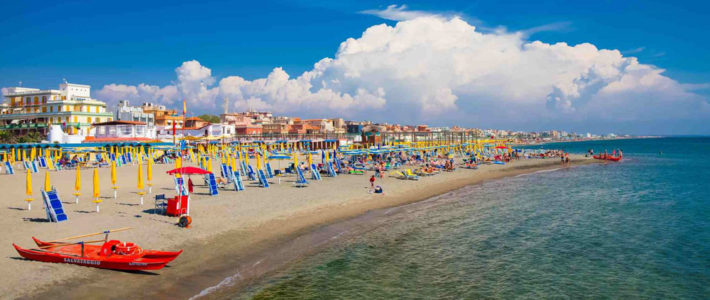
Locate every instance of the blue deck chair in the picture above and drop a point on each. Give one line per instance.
(269, 171)
(262, 179)
(301, 181)
(33, 165)
(237, 180)
(8, 168)
(42, 162)
(314, 172)
(331, 170)
(53, 206)
(212, 182)
(251, 174)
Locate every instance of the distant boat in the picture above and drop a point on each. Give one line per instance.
(608, 157)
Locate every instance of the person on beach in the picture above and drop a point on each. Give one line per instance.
(372, 181)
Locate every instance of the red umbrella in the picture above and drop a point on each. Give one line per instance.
(189, 171)
(502, 147)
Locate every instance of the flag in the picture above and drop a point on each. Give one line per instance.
(184, 107)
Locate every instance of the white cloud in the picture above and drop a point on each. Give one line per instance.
(396, 13)
(443, 71)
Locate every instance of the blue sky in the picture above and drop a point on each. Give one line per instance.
(133, 42)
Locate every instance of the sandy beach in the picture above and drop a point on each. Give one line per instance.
(229, 231)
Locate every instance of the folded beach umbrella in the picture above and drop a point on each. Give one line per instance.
(47, 183)
(140, 184)
(77, 184)
(28, 190)
(96, 189)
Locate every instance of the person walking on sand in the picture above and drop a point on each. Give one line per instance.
(372, 181)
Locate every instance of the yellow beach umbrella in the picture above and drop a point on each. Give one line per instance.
(96, 189)
(310, 159)
(47, 183)
(149, 173)
(28, 190)
(140, 184)
(246, 157)
(77, 185)
(113, 180)
(258, 161)
(178, 164)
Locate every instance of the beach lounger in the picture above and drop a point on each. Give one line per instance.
(42, 162)
(8, 168)
(301, 181)
(398, 174)
(212, 183)
(269, 171)
(314, 172)
(251, 174)
(237, 181)
(161, 204)
(331, 170)
(262, 179)
(411, 176)
(53, 206)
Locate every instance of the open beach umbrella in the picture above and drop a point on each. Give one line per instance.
(47, 183)
(28, 190)
(77, 185)
(96, 189)
(188, 171)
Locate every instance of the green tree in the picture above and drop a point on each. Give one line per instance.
(209, 118)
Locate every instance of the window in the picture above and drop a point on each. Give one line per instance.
(44, 99)
(76, 120)
(88, 120)
(44, 109)
(36, 100)
(51, 109)
(28, 101)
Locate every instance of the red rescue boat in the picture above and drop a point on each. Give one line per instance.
(112, 254)
(608, 157)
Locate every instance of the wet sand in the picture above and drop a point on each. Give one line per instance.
(250, 233)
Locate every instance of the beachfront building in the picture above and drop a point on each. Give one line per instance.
(125, 112)
(31, 109)
(122, 131)
(163, 117)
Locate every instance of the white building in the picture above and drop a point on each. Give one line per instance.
(123, 131)
(28, 109)
(125, 112)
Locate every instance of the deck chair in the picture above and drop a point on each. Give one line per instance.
(161, 204)
(411, 176)
(262, 179)
(398, 174)
(314, 172)
(237, 181)
(212, 182)
(53, 206)
(301, 180)
(8, 168)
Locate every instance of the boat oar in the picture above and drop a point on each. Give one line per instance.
(60, 244)
(91, 234)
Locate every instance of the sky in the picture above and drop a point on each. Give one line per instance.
(636, 67)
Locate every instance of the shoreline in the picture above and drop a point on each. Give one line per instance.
(240, 257)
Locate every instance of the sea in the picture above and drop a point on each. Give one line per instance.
(637, 229)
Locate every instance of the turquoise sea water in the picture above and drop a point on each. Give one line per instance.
(636, 229)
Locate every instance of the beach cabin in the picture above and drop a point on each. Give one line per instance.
(122, 131)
